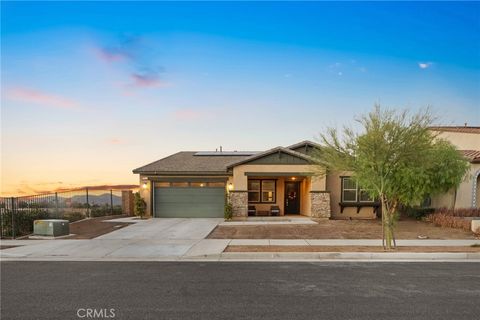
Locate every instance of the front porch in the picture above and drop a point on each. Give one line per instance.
(280, 195)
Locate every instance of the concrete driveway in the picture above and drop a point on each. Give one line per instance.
(174, 229)
(153, 239)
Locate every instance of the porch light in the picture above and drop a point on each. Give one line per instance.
(230, 186)
(144, 185)
(294, 178)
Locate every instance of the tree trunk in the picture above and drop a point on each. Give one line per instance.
(387, 225)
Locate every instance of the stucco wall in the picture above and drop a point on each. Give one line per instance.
(240, 179)
(334, 185)
(463, 141)
(307, 183)
(145, 194)
(464, 192)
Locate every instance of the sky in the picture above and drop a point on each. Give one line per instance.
(92, 90)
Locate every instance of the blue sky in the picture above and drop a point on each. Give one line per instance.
(91, 90)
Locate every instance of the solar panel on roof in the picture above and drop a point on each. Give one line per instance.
(225, 153)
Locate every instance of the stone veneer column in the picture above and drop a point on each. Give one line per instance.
(320, 202)
(239, 201)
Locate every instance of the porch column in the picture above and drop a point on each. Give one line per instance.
(320, 204)
(239, 201)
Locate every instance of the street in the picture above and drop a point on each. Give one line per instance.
(235, 290)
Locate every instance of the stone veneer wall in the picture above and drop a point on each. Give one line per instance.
(320, 202)
(239, 201)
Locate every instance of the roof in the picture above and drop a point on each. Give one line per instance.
(463, 129)
(304, 143)
(211, 162)
(271, 151)
(472, 155)
(186, 162)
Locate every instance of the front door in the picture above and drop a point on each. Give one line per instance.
(292, 197)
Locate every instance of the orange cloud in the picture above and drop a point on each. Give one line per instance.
(41, 98)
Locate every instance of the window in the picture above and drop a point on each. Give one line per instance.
(268, 190)
(263, 191)
(198, 184)
(162, 184)
(216, 184)
(180, 184)
(351, 192)
(253, 190)
(364, 196)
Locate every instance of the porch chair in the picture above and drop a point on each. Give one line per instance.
(274, 210)
(252, 211)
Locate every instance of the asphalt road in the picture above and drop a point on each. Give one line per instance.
(170, 290)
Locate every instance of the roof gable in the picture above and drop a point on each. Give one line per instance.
(306, 147)
(277, 155)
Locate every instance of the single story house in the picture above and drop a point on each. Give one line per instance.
(280, 180)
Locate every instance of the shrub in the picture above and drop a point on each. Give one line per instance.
(228, 211)
(453, 218)
(100, 210)
(73, 216)
(23, 221)
(417, 212)
(139, 205)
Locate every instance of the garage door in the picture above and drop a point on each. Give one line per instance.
(189, 202)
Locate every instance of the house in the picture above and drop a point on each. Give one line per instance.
(197, 184)
(467, 141)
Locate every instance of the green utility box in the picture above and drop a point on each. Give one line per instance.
(51, 228)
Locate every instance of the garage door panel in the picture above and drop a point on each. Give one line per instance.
(188, 202)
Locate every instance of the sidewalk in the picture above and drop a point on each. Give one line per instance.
(213, 250)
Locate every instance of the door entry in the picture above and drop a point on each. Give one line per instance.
(292, 197)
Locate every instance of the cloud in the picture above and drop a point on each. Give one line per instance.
(29, 95)
(134, 55)
(146, 80)
(107, 55)
(424, 65)
(115, 141)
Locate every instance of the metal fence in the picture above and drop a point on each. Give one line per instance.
(18, 213)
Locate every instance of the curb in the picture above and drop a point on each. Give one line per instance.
(253, 256)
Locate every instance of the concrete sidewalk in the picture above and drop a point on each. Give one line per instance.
(172, 249)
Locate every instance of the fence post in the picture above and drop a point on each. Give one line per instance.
(88, 205)
(12, 199)
(56, 203)
(111, 202)
(2, 210)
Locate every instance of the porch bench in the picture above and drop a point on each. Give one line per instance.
(263, 213)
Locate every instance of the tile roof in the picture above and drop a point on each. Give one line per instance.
(463, 129)
(472, 155)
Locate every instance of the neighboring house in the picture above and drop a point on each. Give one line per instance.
(196, 184)
(467, 141)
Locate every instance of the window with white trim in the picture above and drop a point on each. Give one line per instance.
(351, 191)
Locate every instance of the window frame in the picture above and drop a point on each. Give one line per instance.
(342, 190)
(358, 192)
(260, 190)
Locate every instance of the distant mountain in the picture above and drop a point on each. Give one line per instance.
(93, 199)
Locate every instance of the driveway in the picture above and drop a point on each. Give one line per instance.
(172, 228)
(154, 239)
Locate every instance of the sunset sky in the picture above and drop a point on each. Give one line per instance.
(93, 90)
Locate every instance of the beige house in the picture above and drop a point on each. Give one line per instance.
(279, 181)
(467, 141)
